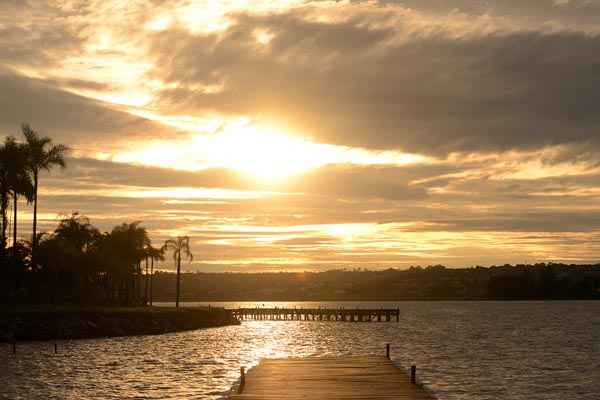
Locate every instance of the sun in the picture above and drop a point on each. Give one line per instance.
(264, 153)
(261, 152)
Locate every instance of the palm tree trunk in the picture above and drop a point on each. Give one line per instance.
(146, 284)
(3, 211)
(178, 272)
(35, 189)
(138, 283)
(15, 201)
(16, 198)
(151, 278)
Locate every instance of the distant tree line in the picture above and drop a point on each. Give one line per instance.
(507, 282)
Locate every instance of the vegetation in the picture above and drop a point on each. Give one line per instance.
(41, 155)
(153, 254)
(20, 166)
(507, 282)
(15, 181)
(77, 262)
(180, 245)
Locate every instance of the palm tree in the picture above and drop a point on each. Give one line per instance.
(14, 181)
(4, 193)
(154, 254)
(179, 245)
(76, 230)
(129, 242)
(41, 155)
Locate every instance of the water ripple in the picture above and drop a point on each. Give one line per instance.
(464, 351)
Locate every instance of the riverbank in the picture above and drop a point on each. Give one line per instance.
(61, 323)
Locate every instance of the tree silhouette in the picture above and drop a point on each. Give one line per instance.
(4, 193)
(78, 264)
(77, 230)
(129, 243)
(154, 254)
(14, 181)
(41, 155)
(179, 245)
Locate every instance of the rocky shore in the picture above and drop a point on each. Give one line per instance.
(49, 323)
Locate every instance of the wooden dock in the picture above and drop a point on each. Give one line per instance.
(335, 378)
(318, 314)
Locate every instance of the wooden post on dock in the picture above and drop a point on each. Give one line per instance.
(242, 379)
(14, 347)
(413, 374)
(55, 348)
(387, 350)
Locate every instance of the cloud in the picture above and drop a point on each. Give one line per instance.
(87, 171)
(449, 196)
(68, 117)
(343, 216)
(36, 34)
(502, 95)
(355, 84)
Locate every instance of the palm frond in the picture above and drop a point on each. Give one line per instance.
(179, 246)
(56, 156)
(186, 248)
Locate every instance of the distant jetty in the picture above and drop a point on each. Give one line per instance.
(61, 323)
(318, 314)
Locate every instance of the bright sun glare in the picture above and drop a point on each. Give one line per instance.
(263, 153)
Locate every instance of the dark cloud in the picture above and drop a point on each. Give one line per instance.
(557, 10)
(37, 34)
(360, 182)
(555, 221)
(355, 84)
(67, 116)
(91, 172)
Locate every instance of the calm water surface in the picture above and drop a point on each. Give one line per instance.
(463, 350)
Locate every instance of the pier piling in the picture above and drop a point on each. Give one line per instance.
(242, 379)
(413, 374)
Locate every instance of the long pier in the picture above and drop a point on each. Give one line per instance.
(331, 378)
(318, 314)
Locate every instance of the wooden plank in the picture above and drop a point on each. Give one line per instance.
(331, 378)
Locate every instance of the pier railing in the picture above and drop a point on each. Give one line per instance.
(318, 314)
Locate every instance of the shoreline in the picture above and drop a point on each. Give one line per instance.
(47, 323)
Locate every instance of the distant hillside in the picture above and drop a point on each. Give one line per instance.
(539, 281)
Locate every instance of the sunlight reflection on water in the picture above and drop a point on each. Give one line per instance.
(464, 350)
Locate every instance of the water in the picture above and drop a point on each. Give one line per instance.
(463, 350)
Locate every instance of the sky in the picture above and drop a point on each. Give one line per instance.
(313, 135)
